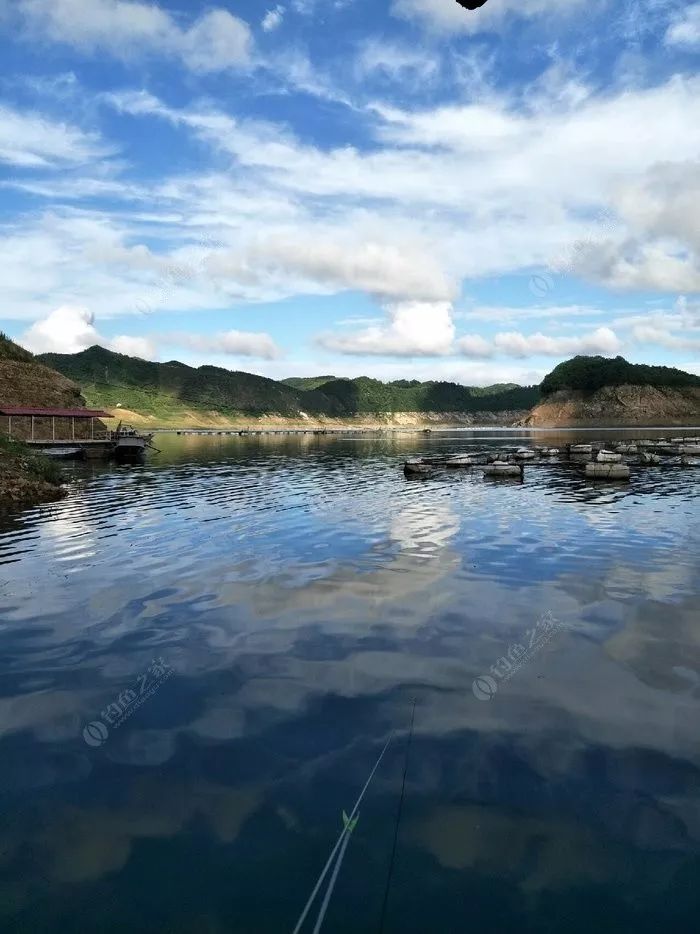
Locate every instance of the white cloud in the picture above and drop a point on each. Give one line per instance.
(273, 18)
(381, 269)
(684, 31)
(427, 329)
(414, 329)
(448, 16)
(142, 347)
(474, 345)
(533, 176)
(215, 41)
(515, 344)
(396, 62)
(231, 343)
(30, 140)
(66, 330)
(71, 328)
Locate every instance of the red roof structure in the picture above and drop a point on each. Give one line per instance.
(53, 413)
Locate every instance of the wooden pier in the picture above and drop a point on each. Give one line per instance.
(72, 430)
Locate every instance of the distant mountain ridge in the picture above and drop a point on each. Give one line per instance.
(582, 391)
(163, 392)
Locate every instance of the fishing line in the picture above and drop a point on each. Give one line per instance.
(331, 884)
(339, 842)
(398, 822)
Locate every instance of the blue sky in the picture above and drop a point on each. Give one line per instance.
(397, 188)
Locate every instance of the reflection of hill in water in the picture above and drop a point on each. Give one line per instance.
(305, 594)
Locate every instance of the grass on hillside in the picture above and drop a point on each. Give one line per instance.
(11, 351)
(20, 456)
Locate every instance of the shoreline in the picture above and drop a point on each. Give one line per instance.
(26, 478)
(397, 422)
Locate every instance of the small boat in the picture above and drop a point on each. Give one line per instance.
(459, 460)
(64, 454)
(524, 454)
(608, 457)
(129, 445)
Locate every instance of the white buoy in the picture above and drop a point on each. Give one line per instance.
(503, 469)
(608, 457)
(459, 460)
(607, 471)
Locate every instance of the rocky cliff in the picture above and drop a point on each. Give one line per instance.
(613, 406)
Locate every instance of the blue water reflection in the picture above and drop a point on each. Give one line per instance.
(305, 594)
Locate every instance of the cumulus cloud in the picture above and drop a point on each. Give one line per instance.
(427, 329)
(684, 31)
(215, 41)
(68, 329)
(71, 328)
(413, 329)
(273, 18)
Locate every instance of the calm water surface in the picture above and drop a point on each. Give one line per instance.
(267, 610)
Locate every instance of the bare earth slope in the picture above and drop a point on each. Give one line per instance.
(611, 406)
(26, 477)
(33, 384)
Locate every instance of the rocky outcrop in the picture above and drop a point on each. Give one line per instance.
(616, 406)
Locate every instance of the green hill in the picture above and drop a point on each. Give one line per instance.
(162, 390)
(588, 374)
(307, 382)
(367, 396)
(174, 393)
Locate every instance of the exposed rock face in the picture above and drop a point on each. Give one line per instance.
(614, 406)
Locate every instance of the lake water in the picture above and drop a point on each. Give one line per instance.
(202, 659)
